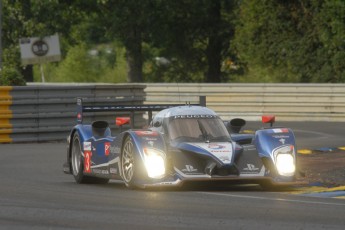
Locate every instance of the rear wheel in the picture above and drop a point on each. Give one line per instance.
(128, 162)
(77, 162)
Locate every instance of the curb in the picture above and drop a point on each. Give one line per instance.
(320, 150)
(318, 191)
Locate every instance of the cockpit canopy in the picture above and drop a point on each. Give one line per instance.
(209, 129)
(191, 124)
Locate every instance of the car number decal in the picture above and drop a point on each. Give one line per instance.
(87, 161)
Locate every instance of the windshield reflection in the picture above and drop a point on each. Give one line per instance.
(198, 130)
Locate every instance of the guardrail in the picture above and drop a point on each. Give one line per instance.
(44, 112)
(48, 112)
(302, 102)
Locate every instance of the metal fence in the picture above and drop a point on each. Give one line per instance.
(48, 112)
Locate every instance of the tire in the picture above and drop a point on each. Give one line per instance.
(128, 163)
(77, 165)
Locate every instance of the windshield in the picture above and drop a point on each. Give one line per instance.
(198, 130)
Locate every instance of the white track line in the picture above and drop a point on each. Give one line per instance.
(273, 199)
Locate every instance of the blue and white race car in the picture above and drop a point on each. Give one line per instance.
(181, 144)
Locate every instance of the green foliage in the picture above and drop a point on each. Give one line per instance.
(330, 24)
(10, 56)
(103, 63)
(183, 41)
(293, 41)
(9, 76)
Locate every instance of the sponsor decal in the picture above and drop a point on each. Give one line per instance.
(215, 146)
(115, 149)
(107, 148)
(167, 183)
(280, 136)
(225, 159)
(282, 140)
(194, 116)
(150, 139)
(87, 161)
(189, 168)
(78, 101)
(251, 168)
(146, 133)
(251, 149)
(87, 146)
(223, 151)
(113, 170)
(101, 171)
(252, 171)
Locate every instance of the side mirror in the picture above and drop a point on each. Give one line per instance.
(268, 119)
(120, 121)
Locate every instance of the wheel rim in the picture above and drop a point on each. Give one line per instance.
(76, 157)
(127, 161)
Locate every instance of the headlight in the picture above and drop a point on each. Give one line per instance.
(154, 163)
(285, 164)
(285, 161)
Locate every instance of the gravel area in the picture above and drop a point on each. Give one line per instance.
(324, 168)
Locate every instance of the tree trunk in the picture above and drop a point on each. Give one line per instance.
(134, 57)
(214, 47)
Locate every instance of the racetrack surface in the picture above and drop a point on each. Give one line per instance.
(35, 194)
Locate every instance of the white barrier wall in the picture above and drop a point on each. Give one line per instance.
(289, 102)
(45, 112)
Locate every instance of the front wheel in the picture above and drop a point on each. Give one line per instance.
(128, 163)
(77, 163)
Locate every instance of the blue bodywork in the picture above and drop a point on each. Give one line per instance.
(250, 157)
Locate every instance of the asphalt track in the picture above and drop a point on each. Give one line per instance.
(35, 194)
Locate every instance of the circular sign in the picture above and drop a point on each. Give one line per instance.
(40, 48)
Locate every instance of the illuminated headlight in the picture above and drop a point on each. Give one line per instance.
(154, 163)
(285, 160)
(285, 164)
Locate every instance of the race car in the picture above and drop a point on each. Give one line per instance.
(182, 143)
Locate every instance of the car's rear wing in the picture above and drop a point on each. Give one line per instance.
(128, 108)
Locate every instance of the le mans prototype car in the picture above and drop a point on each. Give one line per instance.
(181, 144)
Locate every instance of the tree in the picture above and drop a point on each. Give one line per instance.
(330, 25)
(10, 76)
(219, 30)
(293, 41)
(196, 34)
(127, 21)
(12, 16)
(37, 18)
